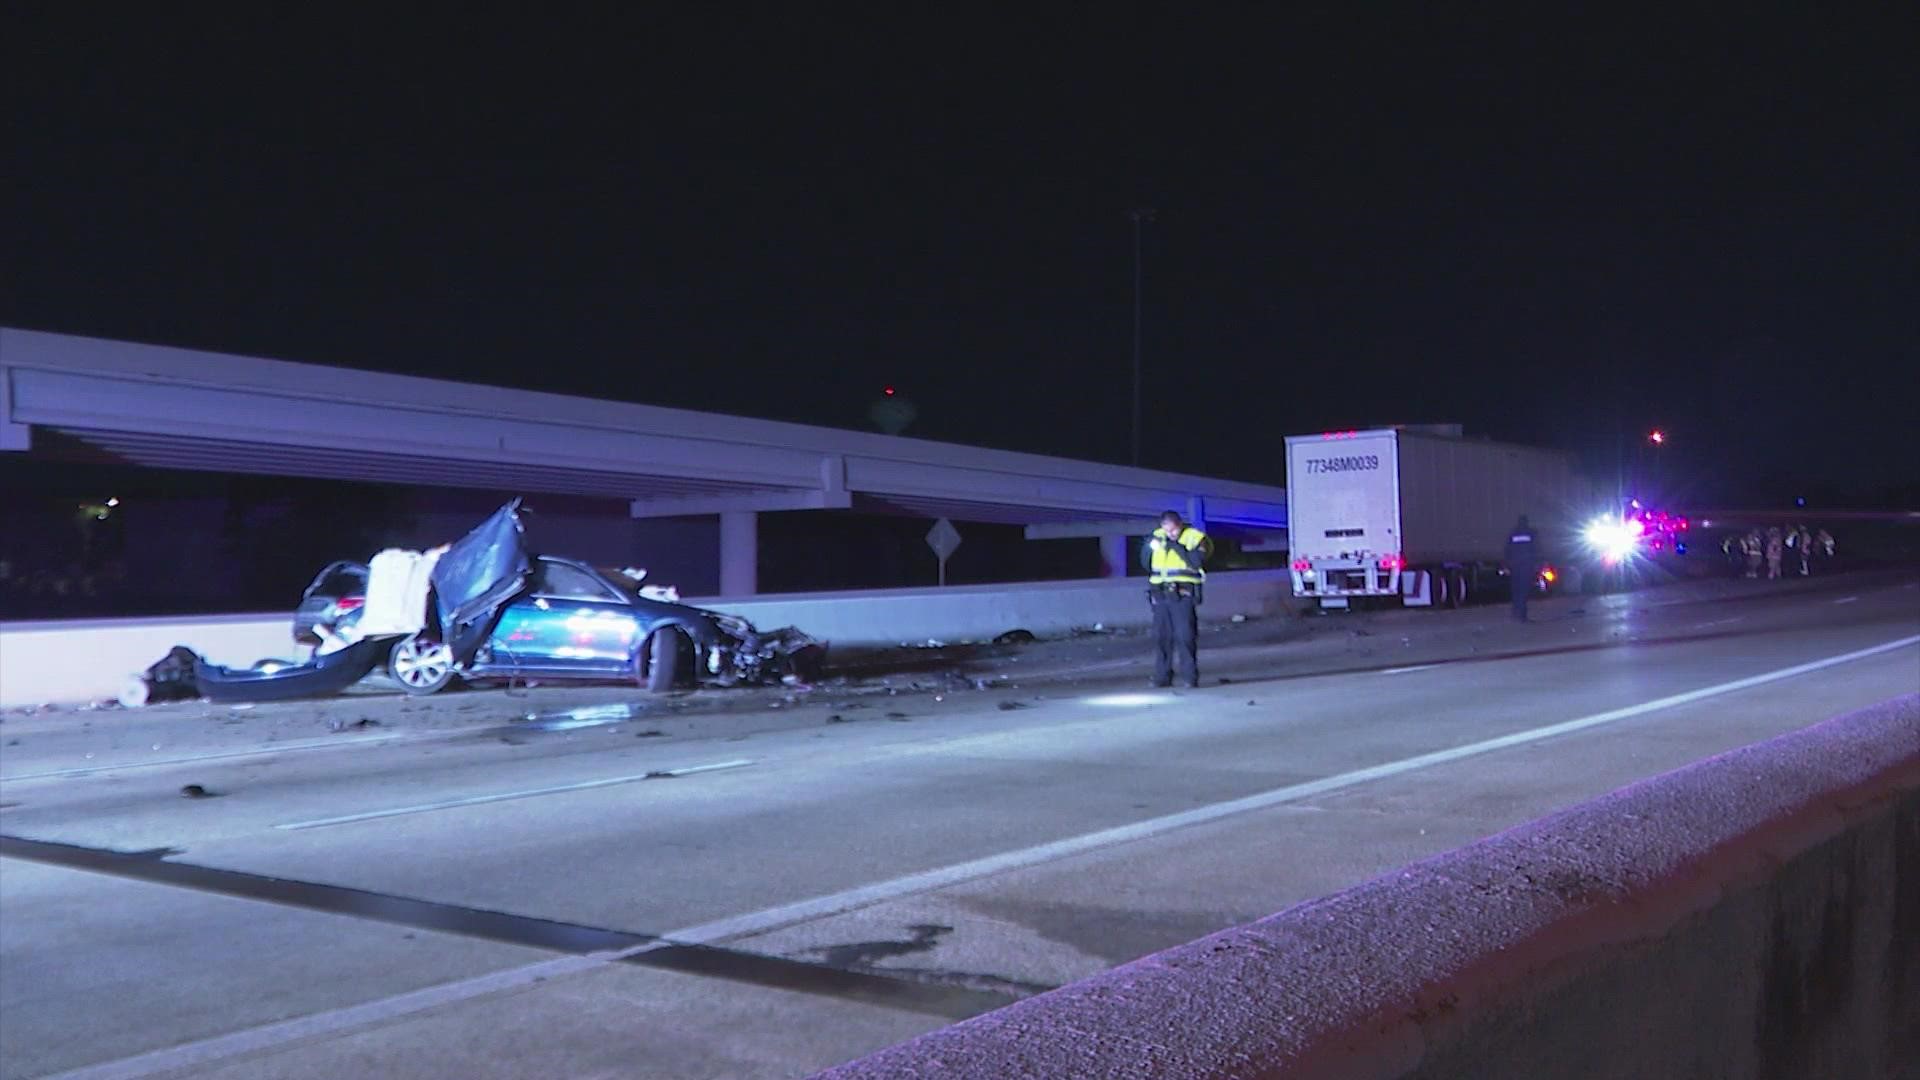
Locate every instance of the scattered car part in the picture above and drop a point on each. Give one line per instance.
(328, 674)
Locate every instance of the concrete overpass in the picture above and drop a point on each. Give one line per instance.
(188, 409)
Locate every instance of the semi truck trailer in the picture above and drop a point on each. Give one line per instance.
(1420, 516)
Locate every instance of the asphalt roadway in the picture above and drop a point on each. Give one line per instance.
(589, 883)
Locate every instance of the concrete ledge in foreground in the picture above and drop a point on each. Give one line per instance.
(1753, 914)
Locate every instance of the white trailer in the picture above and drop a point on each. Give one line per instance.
(1418, 514)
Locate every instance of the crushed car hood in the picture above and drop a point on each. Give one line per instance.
(479, 572)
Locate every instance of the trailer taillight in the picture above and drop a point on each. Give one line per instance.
(1392, 562)
(1302, 564)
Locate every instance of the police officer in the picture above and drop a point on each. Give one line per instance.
(1523, 566)
(1175, 559)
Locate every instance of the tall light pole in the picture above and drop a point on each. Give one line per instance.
(1140, 215)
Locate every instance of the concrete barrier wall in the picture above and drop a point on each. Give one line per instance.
(77, 660)
(1754, 915)
(69, 661)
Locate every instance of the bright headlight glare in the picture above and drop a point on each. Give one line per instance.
(1129, 701)
(1612, 538)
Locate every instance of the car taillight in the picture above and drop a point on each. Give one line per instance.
(349, 603)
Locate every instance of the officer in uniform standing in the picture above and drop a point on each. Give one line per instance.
(1175, 559)
(1523, 565)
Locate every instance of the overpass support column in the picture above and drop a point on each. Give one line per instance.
(1197, 512)
(1113, 556)
(12, 436)
(739, 553)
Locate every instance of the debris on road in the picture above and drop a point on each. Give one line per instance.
(195, 791)
(169, 678)
(650, 733)
(1010, 706)
(1015, 637)
(352, 725)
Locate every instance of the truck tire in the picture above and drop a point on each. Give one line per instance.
(1457, 588)
(1440, 588)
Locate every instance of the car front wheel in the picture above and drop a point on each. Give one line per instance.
(421, 665)
(662, 661)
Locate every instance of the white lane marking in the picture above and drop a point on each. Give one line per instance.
(318, 744)
(1405, 670)
(879, 892)
(386, 1010)
(1717, 622)
(272, 1036)
(476, 800)
(1846, 600)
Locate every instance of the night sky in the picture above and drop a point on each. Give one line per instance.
(1559, 232)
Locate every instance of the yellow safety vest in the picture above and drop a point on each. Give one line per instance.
(1170, 568)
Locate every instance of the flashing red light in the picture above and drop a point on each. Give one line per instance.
(1657, 437)
(888, 391)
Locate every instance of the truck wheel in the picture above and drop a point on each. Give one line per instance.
(1457, 588)
(1439, 589)
(663, 661)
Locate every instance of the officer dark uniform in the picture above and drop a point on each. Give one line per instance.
(1523, 566)
(1175, 560)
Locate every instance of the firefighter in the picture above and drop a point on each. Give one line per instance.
(1523, 565)
(1175, 559)
(1802, 543)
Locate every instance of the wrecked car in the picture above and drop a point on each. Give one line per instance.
(336, 590)
(497, 612)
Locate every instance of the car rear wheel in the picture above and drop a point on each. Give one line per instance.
(421, 665)
(663, 661)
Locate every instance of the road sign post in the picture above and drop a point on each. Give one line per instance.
(943, 538)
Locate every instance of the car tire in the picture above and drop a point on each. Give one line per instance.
(663, 661)
(420, 665)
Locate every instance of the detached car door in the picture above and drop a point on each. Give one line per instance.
(569, 623)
